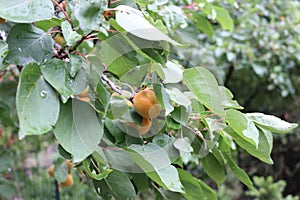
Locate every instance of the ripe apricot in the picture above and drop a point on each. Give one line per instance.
(51, 171)
(146, 104)
(2, 21)
(68, 182)
(145, 126)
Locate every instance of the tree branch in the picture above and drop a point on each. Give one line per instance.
(63, 10)
(111, 84)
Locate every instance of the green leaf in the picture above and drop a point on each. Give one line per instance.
(117, 185)
(163, 97)
(3, 52)
(45, 25)
(60, 170)
(214, 169)
(37, 103)
(264, 148)
(70, 36)
(76, 63)
(93, 175)
(78, 129)
(203, 24)
(90, 14)
(172, 72)
(27, 44)
(271, 123)
(102, 95)
(6, 161)
(5, 118)
(25, 11)
(204, 85)
(141, 181)
(55, 74)
(79, 82)
(242, 125)
(178, 97)
(118, 56)
(224, 18)
(121, 186)
(173, 17)
(135, 76)
(8, 91)
(238, 172)
(158, 168)
(228, 101)
(180, 115)
(133, 21)
(195, 189)
(7, 189)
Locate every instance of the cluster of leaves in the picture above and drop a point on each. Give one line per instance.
(269, 189)
(113, 50)
(264, 46)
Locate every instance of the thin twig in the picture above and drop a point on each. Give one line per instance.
(111, 84)
(63, 10)
(80, 41)
(54, 31)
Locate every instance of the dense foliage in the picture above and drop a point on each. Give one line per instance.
(73, 68)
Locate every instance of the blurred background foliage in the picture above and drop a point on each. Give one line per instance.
(259, 62)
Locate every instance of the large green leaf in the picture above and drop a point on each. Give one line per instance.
(55, 73)
(37, 103)
(204, 85)
(155, 162)
(121, 186)
(228, 101)
(215, 169)
(27, 44)
(90, 14)
(133, 21)
(26, 11)
(49, 23)
(78, 129)
(203, 24)
(264, 148)
(116, 185)
(242, 125)
(118, 56)
(195, 189)
(239, 173)
(178, 97)
(172, 72)
(224, 18)
(271, 123)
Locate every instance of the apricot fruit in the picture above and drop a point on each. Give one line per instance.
(143, 128)
(68, 182)
(51, 171)
(59, 39)
(146, 104)
(2, 21)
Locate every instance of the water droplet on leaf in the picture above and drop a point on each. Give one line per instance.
(43, 94)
